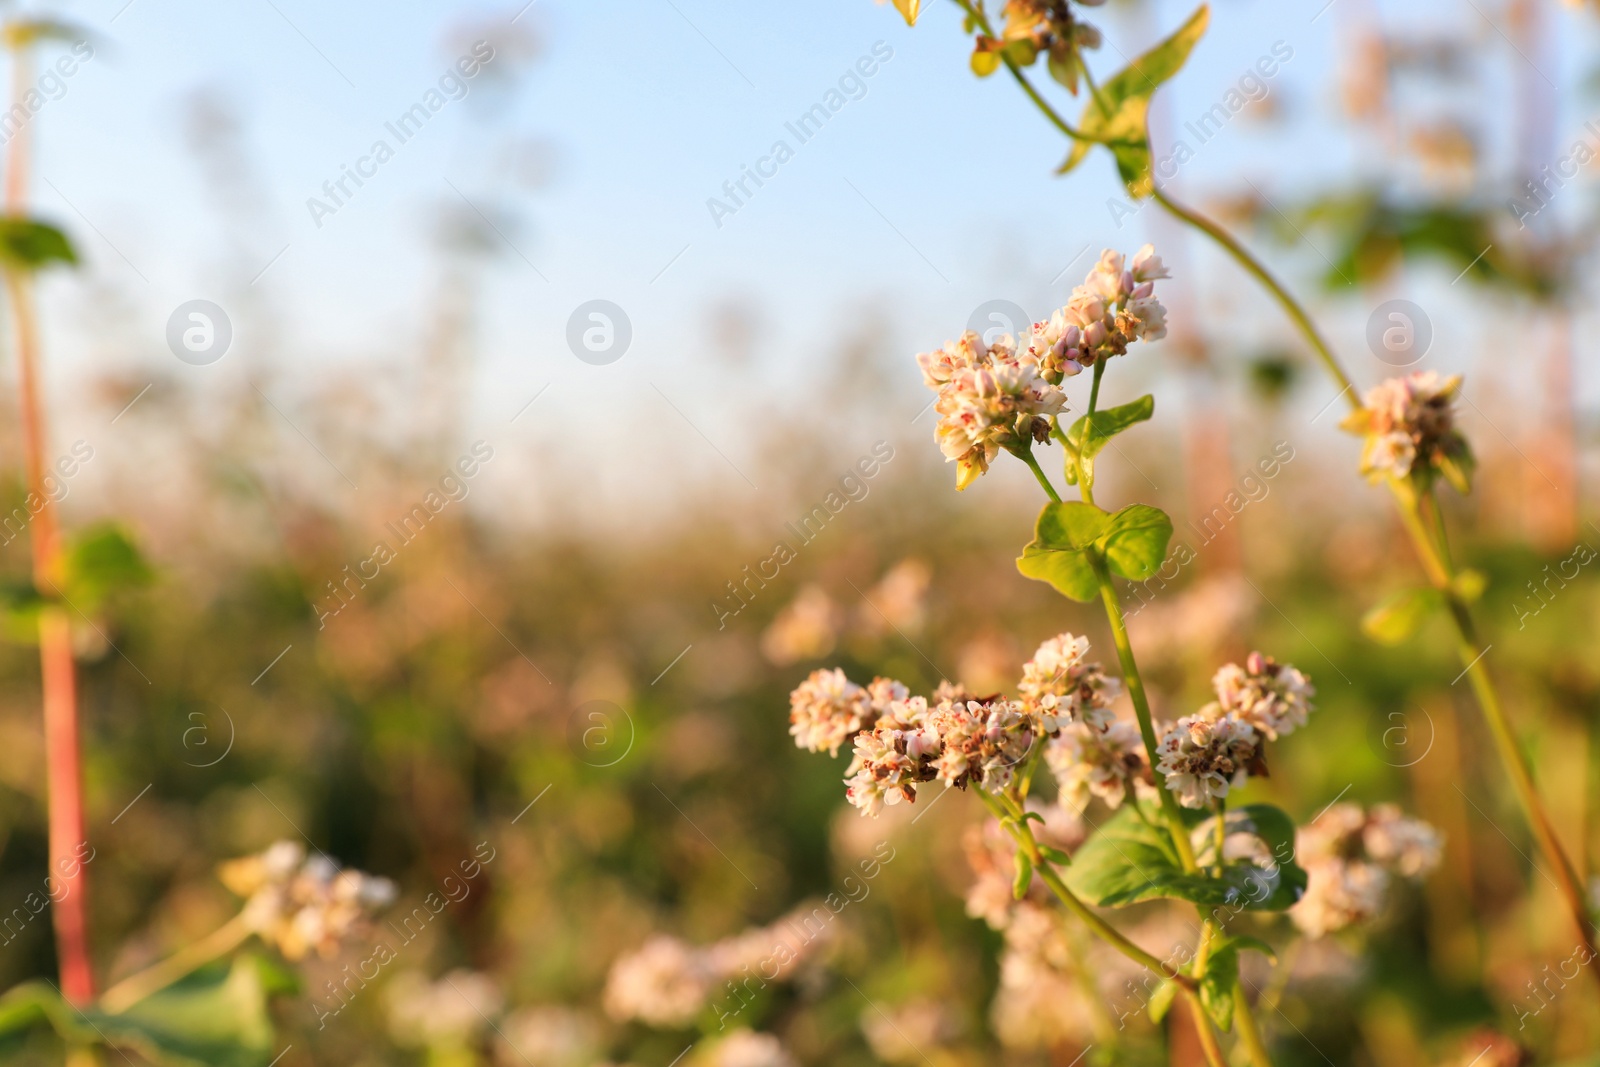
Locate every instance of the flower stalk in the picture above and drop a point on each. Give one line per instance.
(63, 758)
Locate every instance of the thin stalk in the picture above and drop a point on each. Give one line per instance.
(1222, 830)
(1141, 709)
(152, 980)
(1436, 562)
(1023, 834)
(1026, 455)
(63, 760)
(1259, 271)
(1244, 1023)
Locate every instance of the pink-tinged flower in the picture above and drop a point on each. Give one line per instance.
(1410, 431)
(981, 741)
(1202, 759)
(1273, 697)
(1106, 762)
(826, 710)
(1350, 857)
(1059, 687)
(890, 759)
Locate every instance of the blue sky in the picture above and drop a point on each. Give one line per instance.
(930, 195)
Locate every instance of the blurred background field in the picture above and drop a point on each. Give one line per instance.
(551, 670)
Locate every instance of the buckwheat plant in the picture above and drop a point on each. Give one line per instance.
(1172, 835)
(1411, 442)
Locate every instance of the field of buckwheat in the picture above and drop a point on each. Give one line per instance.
(1197, 669)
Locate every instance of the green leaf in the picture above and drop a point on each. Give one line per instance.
(1024, 879)
(1457, 469)
(1135, 543)
(1127, 98)
(1219, 982)
(1161, 1000)
(1104, 425)
(1055, 855)
(27, 244)
(1398, 617)
(1129, 860)
(1064, 69)
(1255, 944)
(20, 603)
(214, 1018)
(100, 561)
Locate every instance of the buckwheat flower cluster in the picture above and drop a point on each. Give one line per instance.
(990, 397)
(303, 905)
(1409, 424)
(981, 741)
(1106, 762)
(1114, 307)
(1350, 857)
(1204, 758)
(1058, 687)
(899, 751)
(1273, 697)
(827, 709)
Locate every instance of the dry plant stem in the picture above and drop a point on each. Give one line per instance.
(131, 990)
(1435, 558)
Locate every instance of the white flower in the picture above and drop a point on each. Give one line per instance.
(1273, 697)
(826, 710)
(665, 983)
(982, 741)
(745, 1048)
(1059, 687)
(890, 759)
(1349, 856)
(1409, 424)
(304, 905)
(1147, 266)
(448, 1013)
(1204, 758)
(1092, 761)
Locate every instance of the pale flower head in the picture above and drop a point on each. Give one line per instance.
(1351, 857)
(1410, 430)
(826, 710)
(1105, 762)
(1273, 697)
(1202, 758)
(746, 1048)
(1059, 687)
(303, 905)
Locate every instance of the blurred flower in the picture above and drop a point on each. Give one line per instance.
(299, 904)
(1193, 622)
(1273, 697)
(1040, 1003)
(1103, 762)
(806, 629)
(991, 854)
(449, 1013)
(1349, 855)
(666, 983)
(1058, 687)
(826, 710)
(1409, 424)
(900, 1033)
(899, 600)
(548, 1035)
(1204, 758)
(745, 1048)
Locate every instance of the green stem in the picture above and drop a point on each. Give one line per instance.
(1413, 503)
(1244, 1023)
(1222, 830)
(1026, 455)
(1022, 832)
(131, 990)
(1141, 709)
(1258, 270)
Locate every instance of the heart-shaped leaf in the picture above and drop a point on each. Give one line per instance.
(1135, 541)
(1127, 104)
(1219, 983)
(1104, 425)
(1130, 859)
